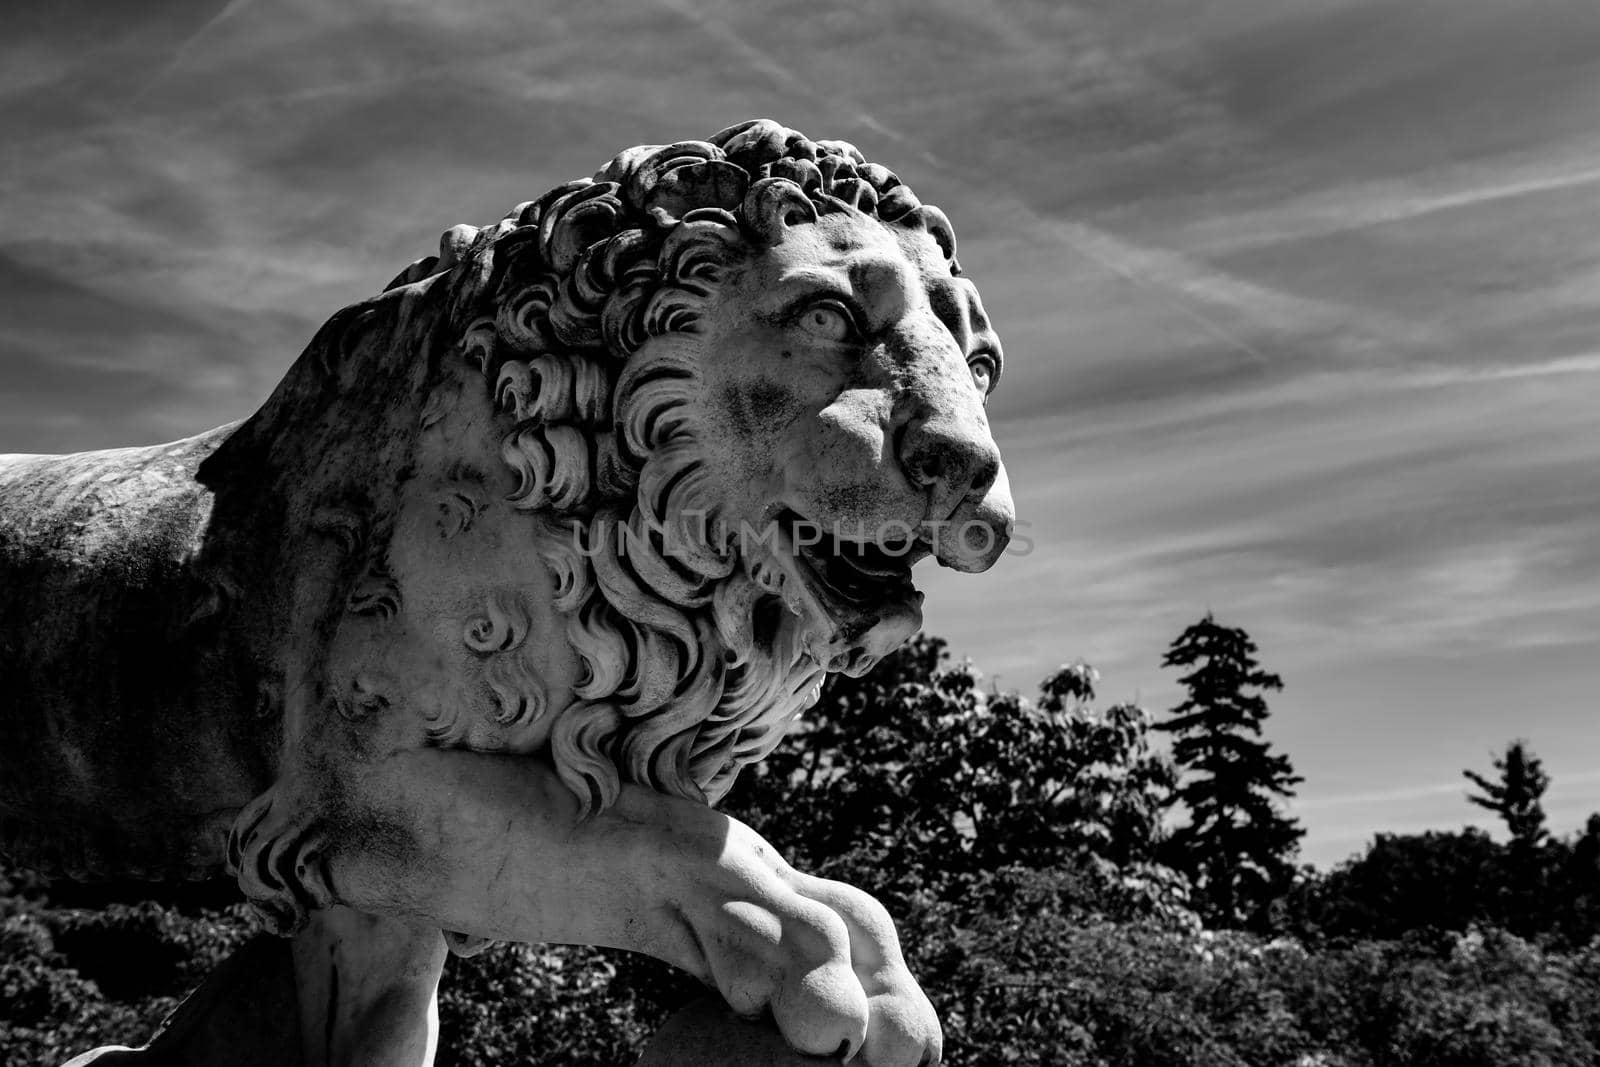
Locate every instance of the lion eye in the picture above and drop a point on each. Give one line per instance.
(828, 321)
(982, 368)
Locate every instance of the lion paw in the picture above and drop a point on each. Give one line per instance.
(823, 958)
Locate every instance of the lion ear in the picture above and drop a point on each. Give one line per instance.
(937, 224)
(772, 206)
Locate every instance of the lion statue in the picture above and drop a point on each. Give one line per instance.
(469, 627)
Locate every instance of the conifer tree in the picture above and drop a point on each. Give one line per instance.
(1238, 847)
(1517, 794)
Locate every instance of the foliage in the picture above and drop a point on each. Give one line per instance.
(70, 978)
(516, 1004)
(1443, 881)
(1451, 881)
(1027, 979)
(1536, 885)
(1575, 887)
(914, 775)
(1237, 846)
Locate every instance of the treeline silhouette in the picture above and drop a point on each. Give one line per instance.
(1069, 889)
(1533, 884)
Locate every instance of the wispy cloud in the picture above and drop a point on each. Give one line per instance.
(1373, 204)
(1387, 797)
(188, 45)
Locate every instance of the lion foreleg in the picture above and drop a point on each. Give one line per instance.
(367, 988)
(496, 847)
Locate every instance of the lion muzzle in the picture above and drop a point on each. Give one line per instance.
(970, 512)
(978, 531)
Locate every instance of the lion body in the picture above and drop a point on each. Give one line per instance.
(462, 521)
(156, 601)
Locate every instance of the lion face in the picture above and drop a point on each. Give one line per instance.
(844, 373)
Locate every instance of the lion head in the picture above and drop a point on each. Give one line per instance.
(728, 392)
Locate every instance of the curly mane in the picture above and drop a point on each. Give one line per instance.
(692, 666)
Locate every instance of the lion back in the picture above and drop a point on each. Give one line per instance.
(119, 755)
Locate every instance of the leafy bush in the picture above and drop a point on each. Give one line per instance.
(538, 1004)
(71, 979)
(914, 775)
(1453, 880)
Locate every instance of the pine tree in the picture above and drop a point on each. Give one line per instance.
(1238, 847)
(1517, 796)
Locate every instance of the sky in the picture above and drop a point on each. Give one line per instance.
(1299, 298)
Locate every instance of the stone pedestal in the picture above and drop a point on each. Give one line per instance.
(350, 990)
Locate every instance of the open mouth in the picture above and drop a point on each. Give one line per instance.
(853, 587)
(857, 567)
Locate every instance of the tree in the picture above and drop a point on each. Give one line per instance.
(1578, 885)
(1436, 880)
(1238, 847)
(1517, 795)
(915, 774)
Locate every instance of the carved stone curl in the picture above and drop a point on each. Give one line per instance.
(470, 625)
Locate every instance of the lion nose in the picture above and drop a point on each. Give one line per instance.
(953, 461)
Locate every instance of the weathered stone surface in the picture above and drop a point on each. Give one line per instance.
(521, 562)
